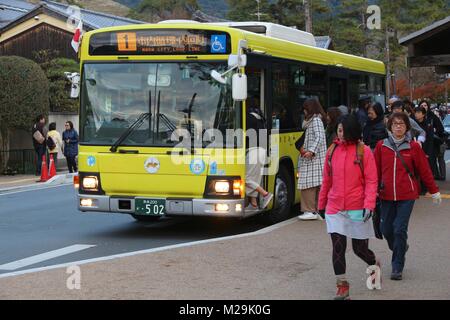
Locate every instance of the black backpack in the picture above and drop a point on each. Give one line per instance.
(50, 143)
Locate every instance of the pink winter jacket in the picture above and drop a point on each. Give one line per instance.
(346, 188)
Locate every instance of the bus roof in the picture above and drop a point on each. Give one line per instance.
(267, 45)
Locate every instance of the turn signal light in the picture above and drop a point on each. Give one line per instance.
(238, 187)
(76, 182)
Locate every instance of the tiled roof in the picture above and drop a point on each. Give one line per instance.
(93, 19)
(405, 40)
(18, 4)
(11, 10)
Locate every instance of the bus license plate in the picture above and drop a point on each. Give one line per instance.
(150, 207)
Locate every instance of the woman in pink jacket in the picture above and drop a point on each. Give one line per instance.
(347, 196)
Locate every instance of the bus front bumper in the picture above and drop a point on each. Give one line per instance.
(173, 207)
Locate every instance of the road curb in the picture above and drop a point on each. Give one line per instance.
(59, 179)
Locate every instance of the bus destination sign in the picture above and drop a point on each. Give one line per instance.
(161, 42)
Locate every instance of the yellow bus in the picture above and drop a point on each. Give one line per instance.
(142, 84)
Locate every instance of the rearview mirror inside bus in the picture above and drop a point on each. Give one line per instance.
(239, 85)
(163, 80)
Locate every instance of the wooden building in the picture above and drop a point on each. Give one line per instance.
(47, 26)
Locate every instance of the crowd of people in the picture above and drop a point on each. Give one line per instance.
(48, 141)
(379, 160)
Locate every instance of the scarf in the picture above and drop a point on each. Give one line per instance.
(306, 123)
(398, 142)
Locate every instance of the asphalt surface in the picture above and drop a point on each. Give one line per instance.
(39, 221)
(292, 261)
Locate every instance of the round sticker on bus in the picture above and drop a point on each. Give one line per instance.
(151, 165)
(197, 166)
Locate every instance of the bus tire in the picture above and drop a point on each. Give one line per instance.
(283, 198)
(145, 218)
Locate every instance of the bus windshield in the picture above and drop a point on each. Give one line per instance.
(179, 95)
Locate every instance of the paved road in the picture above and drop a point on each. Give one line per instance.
(39, 221)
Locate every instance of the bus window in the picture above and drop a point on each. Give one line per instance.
(283, 94)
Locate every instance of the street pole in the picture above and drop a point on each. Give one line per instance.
(258, 14)
(446, 91)
(308, 16)
(410, 84)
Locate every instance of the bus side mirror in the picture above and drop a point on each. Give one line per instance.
(239, 86)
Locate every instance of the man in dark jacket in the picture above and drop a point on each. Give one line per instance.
(39, 134)
(436, 128)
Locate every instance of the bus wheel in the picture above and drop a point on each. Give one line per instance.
(283, 198)
(145, 218)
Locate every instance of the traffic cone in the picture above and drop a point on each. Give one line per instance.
(44, 172)
(52, 170)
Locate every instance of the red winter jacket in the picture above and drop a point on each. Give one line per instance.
(346, 188)
(396, 184)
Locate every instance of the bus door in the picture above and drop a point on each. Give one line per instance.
(338, 93)
(258, 82)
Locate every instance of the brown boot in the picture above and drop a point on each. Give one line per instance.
(343, 290)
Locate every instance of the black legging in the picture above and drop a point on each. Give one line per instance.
(360, 248)
(72, 164)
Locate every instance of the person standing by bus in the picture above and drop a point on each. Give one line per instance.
(255, 156)
(399, 160)
(311, 159)
(56, 137)
(39, 132)
(70, 137)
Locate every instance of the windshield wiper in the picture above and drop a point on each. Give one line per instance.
(134, 125)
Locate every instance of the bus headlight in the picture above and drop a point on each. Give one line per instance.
(222, 186)
(231, 187)
(90, 183)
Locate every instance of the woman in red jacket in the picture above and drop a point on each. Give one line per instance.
(399, 161)
(348, 195)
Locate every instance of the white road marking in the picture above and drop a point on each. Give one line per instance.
(44, 256)
(129, 254)
(34, 189)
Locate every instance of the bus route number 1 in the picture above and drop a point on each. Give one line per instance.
(126, 41)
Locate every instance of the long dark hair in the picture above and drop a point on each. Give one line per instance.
(313, 107)
(427, 103)
(379, 111)
(333, 113)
